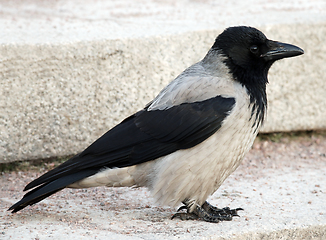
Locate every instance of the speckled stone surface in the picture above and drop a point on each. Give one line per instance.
(69, 71)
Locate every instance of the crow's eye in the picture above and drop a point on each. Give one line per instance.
(254, 49)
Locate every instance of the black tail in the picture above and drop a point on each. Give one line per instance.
(49, 188)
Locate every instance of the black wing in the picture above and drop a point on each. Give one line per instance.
(142, 137)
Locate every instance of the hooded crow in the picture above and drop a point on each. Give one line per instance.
(189, 139)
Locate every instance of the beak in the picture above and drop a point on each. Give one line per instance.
(278, 50)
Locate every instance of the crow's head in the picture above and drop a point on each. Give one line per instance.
(249, 53)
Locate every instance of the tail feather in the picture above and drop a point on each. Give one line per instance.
(47, 189)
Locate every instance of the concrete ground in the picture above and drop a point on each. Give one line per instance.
(281, 186)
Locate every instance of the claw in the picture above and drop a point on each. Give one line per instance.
(234, 212)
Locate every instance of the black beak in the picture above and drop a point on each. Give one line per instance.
(278, 50)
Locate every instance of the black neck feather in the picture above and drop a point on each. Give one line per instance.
(255, 81)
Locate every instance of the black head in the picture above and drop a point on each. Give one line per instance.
(249, 55)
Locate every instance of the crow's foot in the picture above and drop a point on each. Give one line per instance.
(221, 211)
(207, 213)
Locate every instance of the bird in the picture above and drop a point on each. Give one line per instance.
(185, 142)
